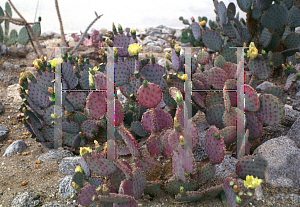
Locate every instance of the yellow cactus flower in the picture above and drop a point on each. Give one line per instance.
(134, 49)
(202, 23)
(52, 62)
(252, 182)
(26, 91)
(182, 77)
(36, 63)
(84, 150)
(253, 51)
(78, 169)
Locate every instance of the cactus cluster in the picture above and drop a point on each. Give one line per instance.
(12, 37)
(148, 87)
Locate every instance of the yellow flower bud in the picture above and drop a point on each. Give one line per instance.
(202, 23)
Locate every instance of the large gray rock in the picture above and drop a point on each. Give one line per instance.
(264, 85)
(54, 155)
(65, 187)
(17, 146)
(26, 199)
(283, 157)
(294, 132)
(68, 164)
(290, 116)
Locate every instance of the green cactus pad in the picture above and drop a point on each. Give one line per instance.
(260, 68)
(13, 37)
(214, 98)
(86, 194)
(84, 80)
(23, 37)
(203, 57)
(37, 29)
(275, 17)
(229, 30)
(79, 117)
(190, 196)
(86, 127)
(222, 14)
(1, 34)
(196, 29)
(130, 141)
(271, 110)
(219, 61)
(276, 91)
(77, 99)
(251, 165)
(256, 13)
(254, 125)
(294, 17)
(229, 135)
(217, 77)
(212, 40)
(1, 15)
(154, 188)
(173, 186)
(234, 116)
(138, 129)
(292, 40)
(245, 5)
(169, 101)
(229, 53)
(206, 173)
(138, 182)
(215, 148)
(214, 115)
(153, 73)
(100, 166)
(93, 101)
(115, 198)
(198, 99)
(265, 37)
(231, 10)
(154, 146)
(37, 96)
(251, 99)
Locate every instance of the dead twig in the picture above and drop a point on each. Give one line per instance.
(23, 22)
(83, 35)
(62, 34)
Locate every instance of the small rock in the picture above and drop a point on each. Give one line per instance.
(17, 52)
(178, 34)
(56, 35)
(26, 199)
(54, 155)
(16, 146)
(153, 49)
(7, 66)
(3, 130)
